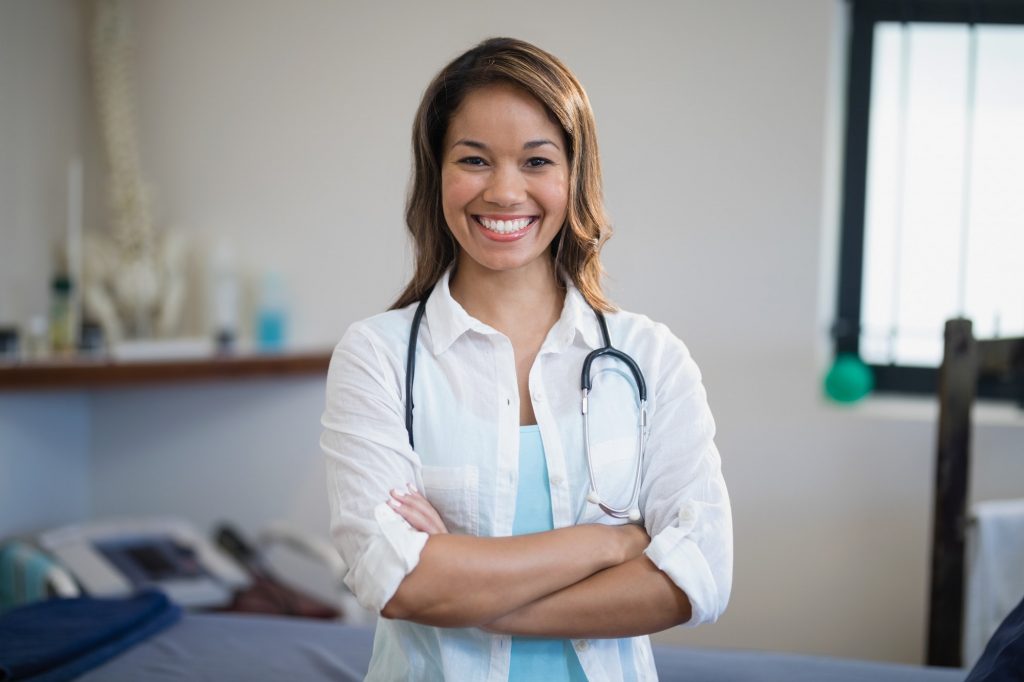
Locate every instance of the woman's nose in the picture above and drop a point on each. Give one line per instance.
(507, 187)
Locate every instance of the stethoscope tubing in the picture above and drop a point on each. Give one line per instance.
(632, 511)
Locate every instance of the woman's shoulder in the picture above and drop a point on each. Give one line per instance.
(644, 335)
(663, 357)
(387, 331)
(389, 325)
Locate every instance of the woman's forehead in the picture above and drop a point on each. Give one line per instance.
(502, 115)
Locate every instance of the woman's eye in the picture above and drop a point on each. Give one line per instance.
(472, 161)
(538, 162)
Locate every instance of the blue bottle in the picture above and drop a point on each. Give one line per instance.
(271, 316)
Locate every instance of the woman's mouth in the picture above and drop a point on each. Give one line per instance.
(505, 228)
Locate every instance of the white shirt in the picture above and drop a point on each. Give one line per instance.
(466, 430)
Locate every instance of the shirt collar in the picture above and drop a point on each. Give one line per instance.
(447, 320)
(577, 318)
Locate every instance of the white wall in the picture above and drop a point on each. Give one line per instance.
(243, 452)
(285, 127)
(42, 127)
(44, 461)
(44, 437)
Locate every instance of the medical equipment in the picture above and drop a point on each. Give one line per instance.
(269, 593)
(116, 557)
(632, 510)
(284, 570)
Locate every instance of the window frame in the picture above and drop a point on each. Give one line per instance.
(846, 330)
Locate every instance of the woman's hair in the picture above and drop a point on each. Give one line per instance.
(577, 247)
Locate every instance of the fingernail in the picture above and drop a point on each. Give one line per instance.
(394, 503)
(412, 487)
(400, 493)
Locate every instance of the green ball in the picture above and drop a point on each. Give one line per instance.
(849, 380)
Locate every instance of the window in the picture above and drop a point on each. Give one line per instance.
(933, 196)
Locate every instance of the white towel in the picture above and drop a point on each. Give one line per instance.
(995, 571)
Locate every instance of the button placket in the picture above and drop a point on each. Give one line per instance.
(508, 434)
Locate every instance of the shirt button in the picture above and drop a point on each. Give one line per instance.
(581, 645)
(557, 480)
(538, 396)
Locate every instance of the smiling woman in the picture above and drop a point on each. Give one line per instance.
(486, 547)
(507, 65)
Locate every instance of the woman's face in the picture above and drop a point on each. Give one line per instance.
(504, 179)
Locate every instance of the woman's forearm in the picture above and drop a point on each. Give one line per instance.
(633, 598)
(464, 581)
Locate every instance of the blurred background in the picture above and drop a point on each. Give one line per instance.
(273, 140)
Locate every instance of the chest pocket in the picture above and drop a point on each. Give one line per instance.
(454, 493)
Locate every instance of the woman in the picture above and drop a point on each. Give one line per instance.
(501, 568)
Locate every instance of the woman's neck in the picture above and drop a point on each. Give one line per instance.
(529, 299)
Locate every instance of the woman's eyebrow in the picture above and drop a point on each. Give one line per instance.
(470, 143)
(532, 144)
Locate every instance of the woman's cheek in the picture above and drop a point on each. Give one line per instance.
(458, 189)
(555, 197)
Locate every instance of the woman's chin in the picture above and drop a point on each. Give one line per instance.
(505, 263)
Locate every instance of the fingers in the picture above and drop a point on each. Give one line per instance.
(417, 510)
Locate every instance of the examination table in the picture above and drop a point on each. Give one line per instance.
(219, 647)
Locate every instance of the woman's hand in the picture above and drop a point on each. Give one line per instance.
(415, 509)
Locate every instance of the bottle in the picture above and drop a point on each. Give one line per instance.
(37, 346)
(90, 340)
(8, 344)
(271, 315)
(224, 298)
(62, 341)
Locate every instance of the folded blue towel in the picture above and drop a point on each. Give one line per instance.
(62, 638)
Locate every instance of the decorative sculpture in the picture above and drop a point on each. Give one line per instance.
(133, 277)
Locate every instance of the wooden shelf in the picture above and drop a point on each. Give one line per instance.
(102, 373)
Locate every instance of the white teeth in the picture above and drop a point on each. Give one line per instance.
(505, 226)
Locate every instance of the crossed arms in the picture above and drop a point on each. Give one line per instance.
(584, 581)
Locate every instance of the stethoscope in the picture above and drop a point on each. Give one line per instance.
(631, 511)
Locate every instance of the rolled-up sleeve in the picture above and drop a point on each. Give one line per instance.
(367, 454)
(684, 500)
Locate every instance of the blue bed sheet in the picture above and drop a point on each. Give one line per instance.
(231, 647)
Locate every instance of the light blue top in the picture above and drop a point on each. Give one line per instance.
(538, 658)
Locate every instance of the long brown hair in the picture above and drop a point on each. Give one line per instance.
(577, 247)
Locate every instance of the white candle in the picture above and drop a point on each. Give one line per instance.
(74, 245)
